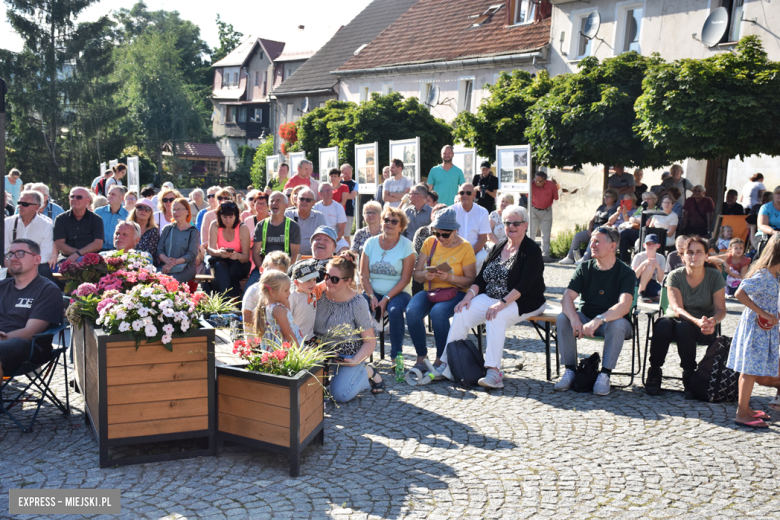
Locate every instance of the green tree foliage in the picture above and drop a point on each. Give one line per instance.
(588, 117)
(723, 106)
(229, 39)
(160, 105)
(501, 119)
(380, 119)
(146, 168)
(241, 177)
(257, 173)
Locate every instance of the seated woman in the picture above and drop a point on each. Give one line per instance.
(697, 303)
(177, 249)
(768, 220)
(497, 235)
(385, 270)
(509, 289)
(229, 250)
(420, 236)
(341, 306)
(165, 204)
(143, 215)
(372, 212)
(629, 229)
(599, 219)
(444, 289)
(649, 267)
(667, 221)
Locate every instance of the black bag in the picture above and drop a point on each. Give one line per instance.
(466, 363)
(713, 381)
(586, 374)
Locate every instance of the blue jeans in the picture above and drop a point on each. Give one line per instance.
(348, 382)
(440, 313)
(254, 277)
(395, 310)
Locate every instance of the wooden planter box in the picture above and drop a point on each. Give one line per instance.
(271, 412)
(147, 395)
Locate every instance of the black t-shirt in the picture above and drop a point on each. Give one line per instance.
(735, 209)
(489, 183)
(41, 299)
(349, 209)
(602, 214)
(78, 233)
(274, 237)
(599, 290)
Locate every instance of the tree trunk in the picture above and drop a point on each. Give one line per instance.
(715, 184)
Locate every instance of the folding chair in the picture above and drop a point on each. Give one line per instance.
(739, 227)
(39, 377)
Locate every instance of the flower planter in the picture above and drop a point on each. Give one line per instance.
(278, 413)
(149, 394)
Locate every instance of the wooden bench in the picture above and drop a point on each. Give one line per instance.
(544, 324)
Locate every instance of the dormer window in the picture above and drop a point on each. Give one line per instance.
(479, 19)
(524, 12)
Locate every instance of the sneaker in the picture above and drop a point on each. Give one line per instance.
(566, 382)
(686, 380)
(601, 387)
(653, 383)
(493, 379)
(437, 371)
(579, 262)
(567, 261)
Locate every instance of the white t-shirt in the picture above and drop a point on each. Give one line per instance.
(159, 217)
(750, 193)
(472, 223)
(40, 230)
(334, 214)
(110, 182)
(641, 257)
(665, 222)
(396, 186)
(251, 297)
(303, 312)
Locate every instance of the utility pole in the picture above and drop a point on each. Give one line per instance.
(3, 90)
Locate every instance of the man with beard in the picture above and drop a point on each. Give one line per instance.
(446, 177)
(276, 233)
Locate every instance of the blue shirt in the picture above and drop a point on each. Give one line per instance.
(773, 214)
(110, 220)
(445, 183)
(14, 189)
(199, 219)
(386, 266)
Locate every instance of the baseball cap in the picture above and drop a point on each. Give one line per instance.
(305, 271)
(652, 238)
(325, 230)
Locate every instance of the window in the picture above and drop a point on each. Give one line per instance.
(364, 91)
(257, 78)
(583, 44)
(242, 114)
(629, 18)
(426, 93)
(465, 91)
(322, 104)
(229, 77)
(524, 11)
(257, 116)
(290, 108)
(230, 114)
(479, 19)
(235, 79)
(265, 82)
(735, 20)
(387, 88)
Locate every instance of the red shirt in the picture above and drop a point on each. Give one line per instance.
(343, 188)
(542, 198)
(294, 181)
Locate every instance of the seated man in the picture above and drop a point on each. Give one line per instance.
(323, 246)
(605, 286)
(307, 219)
(474, 222)
(29, 223)
(127, 236)
(30, 303)
(78, 231)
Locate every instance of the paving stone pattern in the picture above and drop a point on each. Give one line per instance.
(438, 452)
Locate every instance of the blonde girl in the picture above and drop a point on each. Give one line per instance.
(273, 319)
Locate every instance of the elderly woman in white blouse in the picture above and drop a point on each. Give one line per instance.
(497, 234)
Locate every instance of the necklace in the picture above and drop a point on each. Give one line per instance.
(384, 250)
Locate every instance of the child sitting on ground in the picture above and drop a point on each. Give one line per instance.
(273, 318)
(275, 260)
(725, 238)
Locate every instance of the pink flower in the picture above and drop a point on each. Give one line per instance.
(264, 358)
(86, 289)
(91, 259)
(279, 354)
(104, 304)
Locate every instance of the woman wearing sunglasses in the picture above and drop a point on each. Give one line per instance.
(165, 204)
(509, 289)
(143, 215)
(229, 250)
(341, 306)
(444, 288)
(177, 249)
(223, 195)
(385, 270)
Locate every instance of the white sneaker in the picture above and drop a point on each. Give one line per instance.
(566, 382)
(601, 387)
(493, 379)
(567, 261)
(437, 371)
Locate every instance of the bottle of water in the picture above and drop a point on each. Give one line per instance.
(399, 368)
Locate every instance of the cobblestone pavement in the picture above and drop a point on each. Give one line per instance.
(439, 452)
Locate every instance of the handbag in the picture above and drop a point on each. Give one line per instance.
(441, 294)
(586, 374)
(180, 267)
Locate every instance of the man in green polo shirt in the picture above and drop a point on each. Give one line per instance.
(446, 177)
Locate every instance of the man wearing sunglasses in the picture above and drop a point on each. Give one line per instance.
(605, 286)
(30, 303)
(111, 214)
(446, 177)
(543, 194)
(474, 222)
(78, 231)
(307, 218)
(28, 223)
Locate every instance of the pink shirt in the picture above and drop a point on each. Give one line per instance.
(542, 198)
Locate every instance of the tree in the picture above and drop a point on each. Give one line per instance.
(161, 106)
(258, 173)
(314, 129)
(588, 117)
(229, 39)
(241, 177)
(501, 119)
(719, 107)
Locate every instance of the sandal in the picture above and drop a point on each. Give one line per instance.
(758, 423)
(760, 414)
(376, 388)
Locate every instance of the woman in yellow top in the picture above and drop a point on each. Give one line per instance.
(445, 246)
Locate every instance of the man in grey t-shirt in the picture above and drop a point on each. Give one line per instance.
(623, 182)
(676, 180)
(307, 218)
(394, 188)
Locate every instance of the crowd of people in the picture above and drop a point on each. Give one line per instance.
(449, 248)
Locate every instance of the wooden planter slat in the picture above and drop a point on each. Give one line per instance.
(271, 412)
(148, 395)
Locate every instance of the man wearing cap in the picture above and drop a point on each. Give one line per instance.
(308, 219)
(543, 194)
(474, 222)
(605, 286)
(276, 233)
(446, 177)
(303, 300)
(419, 213)
(323, 245)
(487, 187)
(649, 267)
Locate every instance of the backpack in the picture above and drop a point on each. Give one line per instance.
(100, 189)
(586, 374)
(713, 381)
(466, 363)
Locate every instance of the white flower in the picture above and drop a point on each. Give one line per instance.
(121, 314)
(147, 321)
(146, 292)
(166, 338)
(185, 326)
(168, 312)
(124, 326)
(168, 328)
(150, 331)
(137, 325)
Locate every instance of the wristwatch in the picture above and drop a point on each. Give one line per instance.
(503, 301)
(602, 318)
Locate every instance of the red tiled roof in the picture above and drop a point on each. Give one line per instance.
(441, 30)
(199, 150)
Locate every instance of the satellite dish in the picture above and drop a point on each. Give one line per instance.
(632, 30)
(592, 25)
(433, 96)
(715, 27)
(305, 105)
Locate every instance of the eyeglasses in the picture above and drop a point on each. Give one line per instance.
(17, 254)
(305, 199)
(515, 223)
(370, 213)
(465, 192)
(438, 234)
(28, 204)
(76, 197)
(210, 196)
(223, 198)
(393, 221)
(178, 209)
(251, 199)
(168, 199)
(334, 279)
(143, 209)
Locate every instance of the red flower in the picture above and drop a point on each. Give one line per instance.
(279, 354)
(264, 358)
(286, 345)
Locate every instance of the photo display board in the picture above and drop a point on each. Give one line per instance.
(367, 168)
(133, 175)
(513, 167)
(103, 168)
(272, 163)
(329, 159)
(466, 160)
(295, 160)
(408, 151)
(112, 163)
